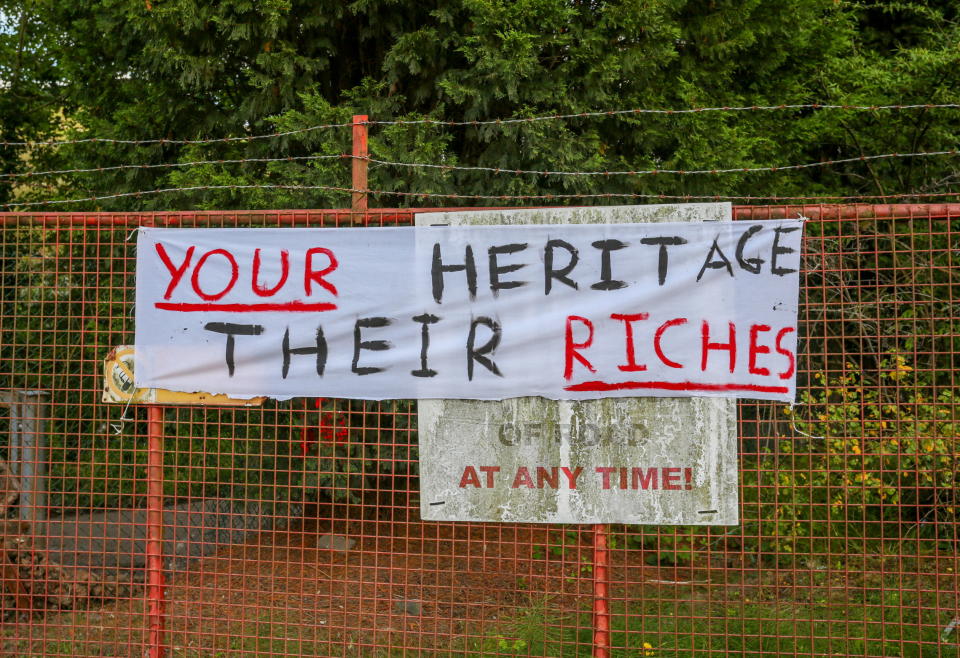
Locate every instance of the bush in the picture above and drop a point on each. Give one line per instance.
(361, 446)
(865, 461)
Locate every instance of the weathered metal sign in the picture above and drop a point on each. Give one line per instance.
(118, 386)
(669, 461)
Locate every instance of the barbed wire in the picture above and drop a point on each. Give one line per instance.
(649, 172)
(494, 170)
(178, 142)
(165, 190)
(167, 165)
(691, 110)
(486, 197)
(488, 122)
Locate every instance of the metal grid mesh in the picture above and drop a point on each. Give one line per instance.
(293, 529)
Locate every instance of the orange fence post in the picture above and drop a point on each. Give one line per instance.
(155, 585)
(601, 604)
(360, 163)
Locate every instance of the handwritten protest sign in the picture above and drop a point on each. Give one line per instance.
(472, 312)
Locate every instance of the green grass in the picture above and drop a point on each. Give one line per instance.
(664, 627)
(858, 612)
(667, 623)
(658, 627)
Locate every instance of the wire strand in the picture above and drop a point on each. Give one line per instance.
(653, 172)
(692, 110)
(487, 197)
(492, 122)
(167, 165)
(147, 142)
(167, 190)
(494, 170)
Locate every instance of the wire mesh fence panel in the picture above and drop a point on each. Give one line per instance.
(293, 528)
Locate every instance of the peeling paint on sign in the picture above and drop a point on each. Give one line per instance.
(119, 388)
(663, 461)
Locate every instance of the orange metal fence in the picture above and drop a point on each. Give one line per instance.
(293, 529)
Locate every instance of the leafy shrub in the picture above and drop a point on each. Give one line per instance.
(864, 461)
(361, 446)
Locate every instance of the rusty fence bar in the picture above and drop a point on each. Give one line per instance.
(601, 603)
(155, 582)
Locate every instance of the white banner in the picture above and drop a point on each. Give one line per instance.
(479, 312)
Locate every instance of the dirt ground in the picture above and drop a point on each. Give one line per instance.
(406, 587)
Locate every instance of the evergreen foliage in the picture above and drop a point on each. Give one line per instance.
(185, 69)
